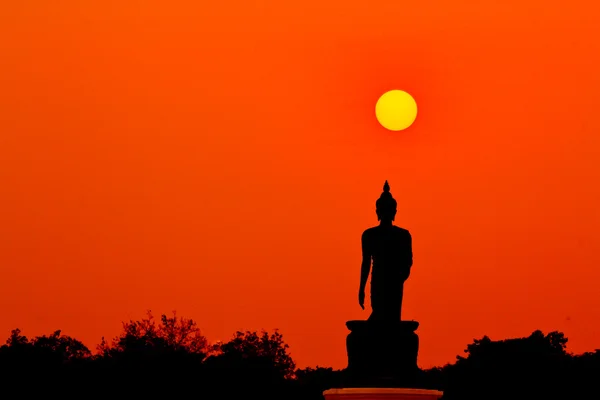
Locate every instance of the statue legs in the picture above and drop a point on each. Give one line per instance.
(386, 304)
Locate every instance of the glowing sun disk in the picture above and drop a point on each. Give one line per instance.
(396, 110)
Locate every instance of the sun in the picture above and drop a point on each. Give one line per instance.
(396, 110)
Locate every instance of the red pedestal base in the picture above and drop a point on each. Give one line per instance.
(382, 394)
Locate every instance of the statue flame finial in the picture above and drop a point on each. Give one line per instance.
(386, 201)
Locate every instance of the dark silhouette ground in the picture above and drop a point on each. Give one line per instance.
(169, 357)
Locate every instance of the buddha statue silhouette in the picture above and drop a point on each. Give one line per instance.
(389, 247)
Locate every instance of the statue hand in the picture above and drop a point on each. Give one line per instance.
(361, 299)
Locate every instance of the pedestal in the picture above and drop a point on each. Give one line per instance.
(382, 394)
(382, 355)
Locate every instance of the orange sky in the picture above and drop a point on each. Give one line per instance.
(223, 159)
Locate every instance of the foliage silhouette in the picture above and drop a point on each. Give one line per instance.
(263, 349)
(171, 335)
(170, 357)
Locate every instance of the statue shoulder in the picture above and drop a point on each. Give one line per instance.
(368, 233)
(402, 231)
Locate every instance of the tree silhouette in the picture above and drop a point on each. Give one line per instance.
(261, 349)
(250, 364)
(172, 334)
(64, 348)
(42, 362)
(167, 353)
(52, 351)
(170, 357)
(533, 366)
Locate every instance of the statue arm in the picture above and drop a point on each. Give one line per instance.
(409, 252)
(365, 267)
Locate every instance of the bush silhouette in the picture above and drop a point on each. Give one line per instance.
(171, 357)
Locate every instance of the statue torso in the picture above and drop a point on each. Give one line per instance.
(390, 248)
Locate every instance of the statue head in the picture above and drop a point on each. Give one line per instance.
(385, 207)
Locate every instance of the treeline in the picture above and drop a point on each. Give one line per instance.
(170, 357)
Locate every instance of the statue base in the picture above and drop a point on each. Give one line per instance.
(382, 354)
(382, 394)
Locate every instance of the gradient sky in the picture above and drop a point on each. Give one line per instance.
(222, 159)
